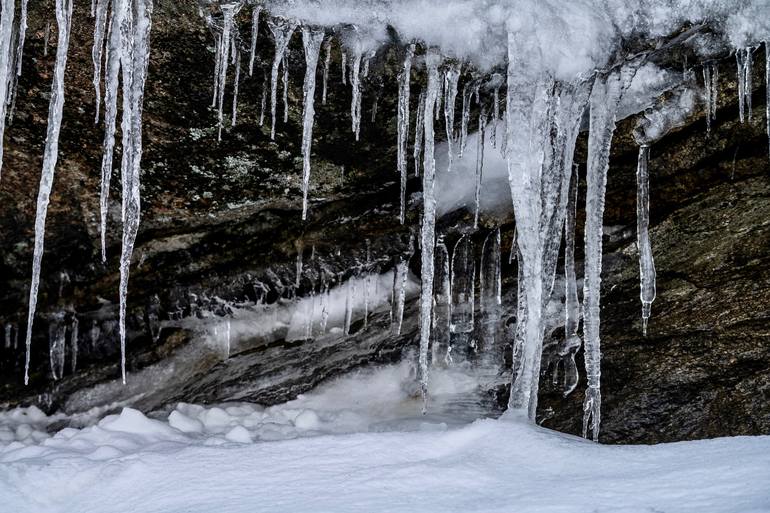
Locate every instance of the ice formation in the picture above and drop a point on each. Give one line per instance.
(552, 76)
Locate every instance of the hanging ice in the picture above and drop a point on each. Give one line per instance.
(463, 283)
(74, 341)
(399, 294)
(605, 97)
(111, 83)
(228, 20)
(404, 78)
(451, 78)
(135, 56)
(490, 300)
(50, 156)
(17, 59)
(282, 30)
(646, 262)
(56, 345)
(254, 33)
(355, 84)
(285, 81)
(6, 35)
(311, 40)
(572, 341)
(327, 60)
(236, 85)
(711, 85)
(479, 166)
(466, 116)
(441, 332)
(419, 132)
(428, 228)
(743, 58)
(100, 28)
(344, 66)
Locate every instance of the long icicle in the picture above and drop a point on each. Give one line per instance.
(646, 262)
(111, 83)
(572, 341)
(6, 34)
(135, 56)
(236, 85)
(50, 157)
(254, 34)
(428, 229)
(97, 52)
(479, 166)
(311, 40)
(451, 78)
(228, 19)
(327, 60)
(404, 79)
(605, 97)
(282, 31)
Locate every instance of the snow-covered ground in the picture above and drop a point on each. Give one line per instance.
(359, 444)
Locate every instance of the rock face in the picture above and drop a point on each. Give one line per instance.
(221, 225)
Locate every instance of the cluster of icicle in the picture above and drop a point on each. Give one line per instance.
(537, 134)
(121, 41)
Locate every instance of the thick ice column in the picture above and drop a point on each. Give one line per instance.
(282, 30)
(646, 262)
(428, 229)
(441, 334)
(490, 300)
(135, 55)
(6, 35)
(254, 34)
(404, 79)
(451, 78)
(50, 156)
(311, 40)
(605, 97)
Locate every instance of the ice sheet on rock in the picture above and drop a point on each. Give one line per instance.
(665, 115)
(50, 157)
(282, 30)
(311, 41)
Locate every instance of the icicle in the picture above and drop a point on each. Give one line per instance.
(404, 78)
(605, 97)
(8, 328)
(327, 60)
(344, 66)
(709, 93)
(646, 262)
(235, 86)
(50, 156)
(300, 250)
(46, 38)
(349, 293)
(767, 90)
(355, 84)
(135, 56)
(572, 341)
(463, 282)
(56, 344)
(228, 20)
(367, 283)
(441, 331)
(263, 102)
(6, 35)
(285, 81)
(439, 97)
(282, 31)
(743, 57)
(419, 132)
(311, 40)
(451, 79)
(217, 65)
(490, 299)
(428, 228)
(19, 57)
(74, 336)
(514, 248)
(254, 34)
(466, 116)
(497, 81)
(100, 26)
(479, 167)
(399, 293)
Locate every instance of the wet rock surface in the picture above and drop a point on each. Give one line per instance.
(221, 224)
